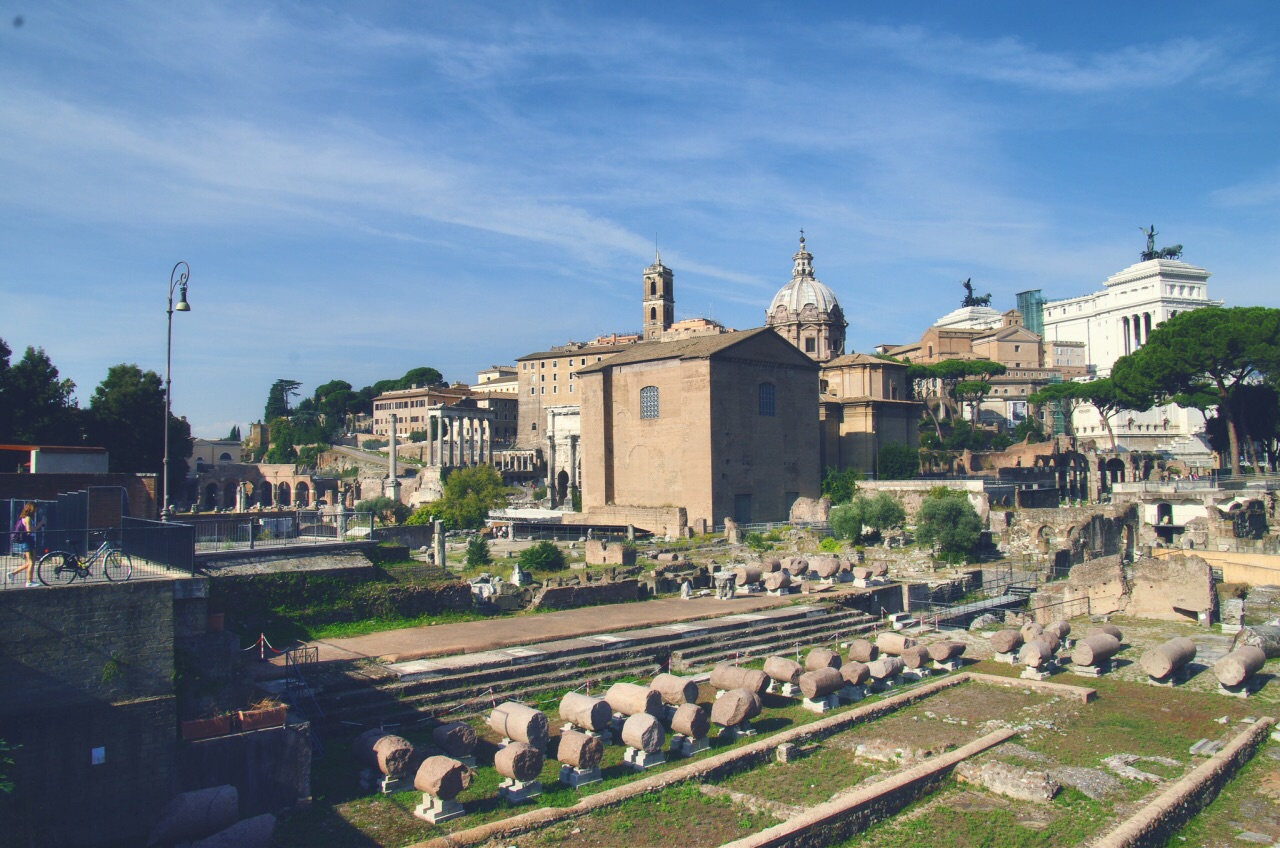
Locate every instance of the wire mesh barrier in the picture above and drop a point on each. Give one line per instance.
(299, 527)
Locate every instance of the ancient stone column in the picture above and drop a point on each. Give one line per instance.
(573, 466)
(551, 469)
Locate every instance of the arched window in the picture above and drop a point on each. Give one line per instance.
(767, 396)
(653, 289)
(653, 313)
(649, 402)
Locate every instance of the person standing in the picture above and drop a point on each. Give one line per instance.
(22, 540)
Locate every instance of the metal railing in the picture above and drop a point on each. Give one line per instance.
(154, 551)
(301, 527)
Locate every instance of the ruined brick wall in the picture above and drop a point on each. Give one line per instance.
(83, 668)
(567, 597)
(1086, 532)
(599, 552)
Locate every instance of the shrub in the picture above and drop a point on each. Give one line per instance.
(385, 509)
(469, 494)
(418, 436)
(948, 521)
(756, 542)
(829, 545)
(374, 444)
(543, 556)
(897, 461)
(539, 493)
(478, 551)
(847, 520)
(840, 485)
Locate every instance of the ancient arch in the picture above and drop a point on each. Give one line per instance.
(210, 500)
(302, 494)
(284, 494)
(229, 494)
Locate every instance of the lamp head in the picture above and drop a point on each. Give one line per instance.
(182, 305)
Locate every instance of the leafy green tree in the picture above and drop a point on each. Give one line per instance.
(418, 436)
(848, 519)
(309, 455)
(1060, 397)
(542, 556)
(282, 435)
(478, 551)
(125, 415)
(41, 402)
(897, 461)
(469, 495)
(7, 399)
(1103, 396)
(385, 509)
(235, 433)
(948, 521)
(278, 398)
(1256, 410)
(1028, 430)
(884, 512)
(421, 377)
(1209, 351)
(839, 484)
(880, 512)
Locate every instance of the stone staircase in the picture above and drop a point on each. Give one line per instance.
(468, 684)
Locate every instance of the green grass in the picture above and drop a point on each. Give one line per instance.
(345, 629)
(1073, 818)
(1247, 801)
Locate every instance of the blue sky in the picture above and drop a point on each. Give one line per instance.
(364, 188)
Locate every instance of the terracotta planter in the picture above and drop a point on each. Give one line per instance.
(258, 719)
(214, 622)
(205, 728)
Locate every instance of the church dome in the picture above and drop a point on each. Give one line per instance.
(806, 313)
(801, 292)
(804, 289)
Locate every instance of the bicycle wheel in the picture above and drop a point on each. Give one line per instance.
(57, 567)
(117, 566)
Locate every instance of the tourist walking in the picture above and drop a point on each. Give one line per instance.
(22, 541)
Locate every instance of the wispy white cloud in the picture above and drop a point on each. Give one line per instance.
(1013, 61)
(1262, 191)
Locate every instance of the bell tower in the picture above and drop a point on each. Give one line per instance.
(659, 299)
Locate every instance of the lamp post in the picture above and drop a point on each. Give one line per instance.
(176, 281)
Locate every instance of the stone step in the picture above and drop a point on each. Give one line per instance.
(439, 681)
(466, 701)
(439, 685)
(783, 644)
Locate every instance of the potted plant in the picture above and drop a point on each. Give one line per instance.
(267, 712)
(216, 724)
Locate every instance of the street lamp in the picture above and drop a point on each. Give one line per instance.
(176, 281)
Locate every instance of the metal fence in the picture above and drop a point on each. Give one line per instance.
(153, 551)
(301, 527)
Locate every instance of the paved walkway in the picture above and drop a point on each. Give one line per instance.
(504, 631)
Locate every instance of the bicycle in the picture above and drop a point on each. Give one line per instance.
(65, 566)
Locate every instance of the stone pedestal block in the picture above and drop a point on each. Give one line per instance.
(949, 665)
(1092, 670)
(1010, 658)
(1169, 681)
(684, 746)
(850, 694)
(640, 760)
(604, 736)
(437, 810)
(786, 690)
(576, 778)
(1044, 672)
(821, 705)
(387, 785)
(518, 791)
(737, 731)
(919, 673)
(1241, 690)
(886, 684)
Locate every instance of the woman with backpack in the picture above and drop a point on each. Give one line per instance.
(22, 541)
